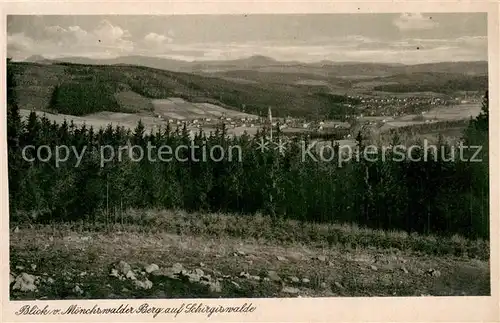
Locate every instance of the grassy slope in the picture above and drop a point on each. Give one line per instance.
(358, 262)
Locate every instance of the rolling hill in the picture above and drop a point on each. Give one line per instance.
(266, 64)
(250, 85)
(84, 89)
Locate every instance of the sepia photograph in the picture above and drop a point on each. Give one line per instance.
(247, 156)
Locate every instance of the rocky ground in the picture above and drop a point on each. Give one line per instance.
(51, 263)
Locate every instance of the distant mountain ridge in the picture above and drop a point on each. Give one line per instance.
(267, 64)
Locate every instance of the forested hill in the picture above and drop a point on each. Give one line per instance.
(99, 84)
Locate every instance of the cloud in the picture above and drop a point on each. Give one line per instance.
(18, 44)
(414, 21)
(109, 33)
(104, 40)
(157, 39)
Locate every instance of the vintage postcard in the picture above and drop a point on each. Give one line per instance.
(250, 161)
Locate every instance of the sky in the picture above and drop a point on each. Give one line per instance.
(408, 38)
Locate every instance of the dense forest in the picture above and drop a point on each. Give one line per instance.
(440, 195)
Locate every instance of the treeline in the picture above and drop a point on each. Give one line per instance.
(432, 196)
(470, 83)
(82, 98)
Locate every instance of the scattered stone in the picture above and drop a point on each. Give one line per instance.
(125, 290)
(257, 278)
(150, 268)
(241, 253)
(177, 268)
(373, 267)
(433, 272)
(215, 287)
(290, 290)
(50, 280)
(330, 264)
(167, 272)
(418, 271)
(226, 276)
(244, 275)
(252, 257)
(16, 229)
(202, 264)
(294, 279)
(85, 238)
(130, 275)
(25, 283)
(266, 279)
(206, 277)
(193, 277)
(20, 267)
(323, 285)
(273, 275)
(114, 273)
(123, 267)
(339, 285)
(146, 284)
(306, 280)
(199, 272)
(33, 267)
(321, 258)
(78, 290)
(404, 269)
(281, 258)
(236, 284)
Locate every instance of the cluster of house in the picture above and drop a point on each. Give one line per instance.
(383, 109)
(198, 123)
(394, 106)
(398, 106)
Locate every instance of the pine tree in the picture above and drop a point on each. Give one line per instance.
(14, 131)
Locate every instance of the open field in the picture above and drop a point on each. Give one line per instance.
(437, 114)
(241, 257)
(180, 109)
(462, 111)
